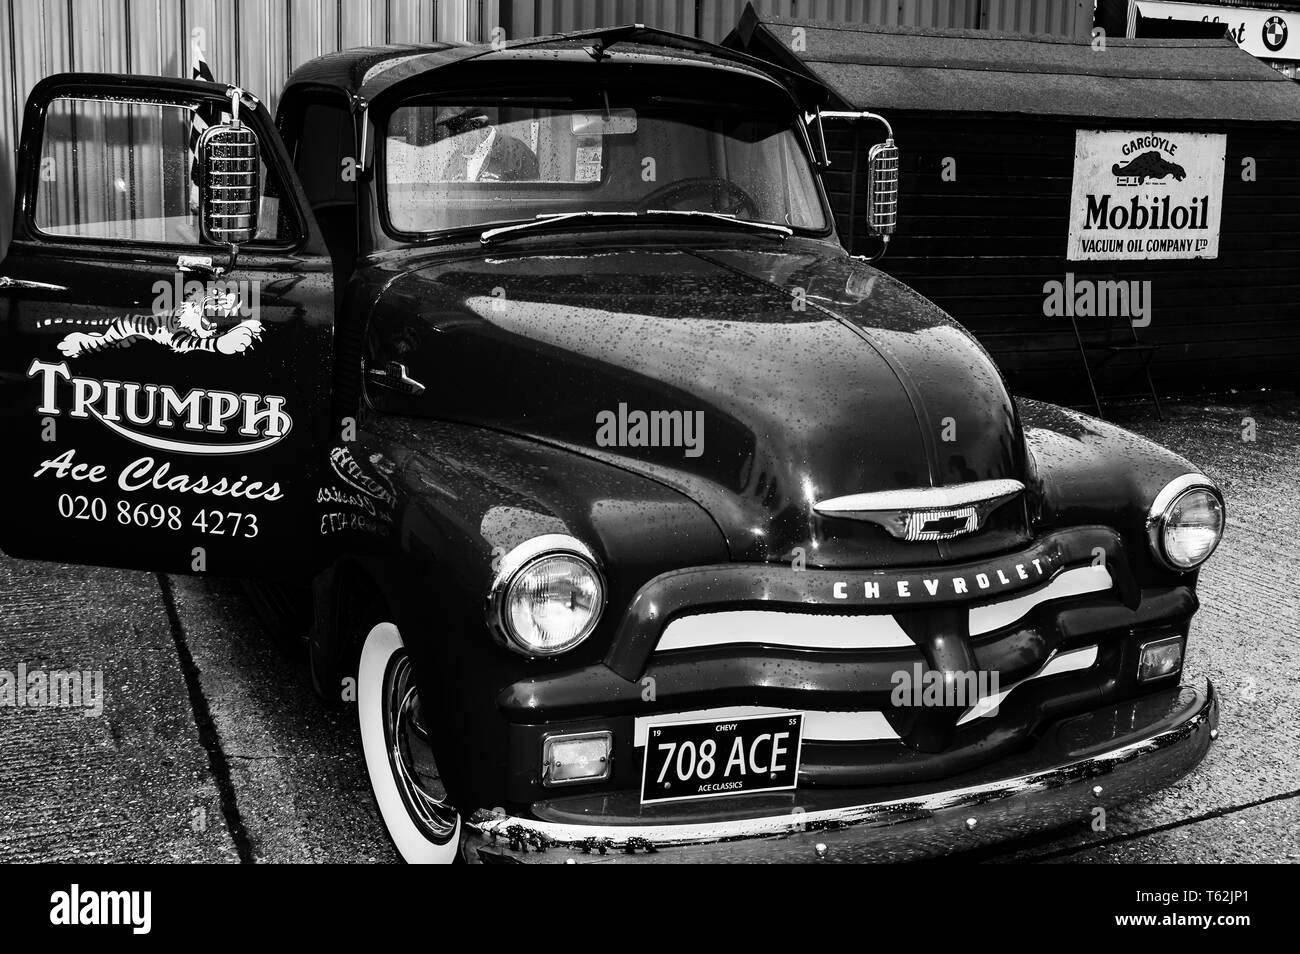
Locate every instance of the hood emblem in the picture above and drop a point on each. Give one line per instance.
(925, 513)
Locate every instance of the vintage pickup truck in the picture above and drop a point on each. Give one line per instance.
(639, 521)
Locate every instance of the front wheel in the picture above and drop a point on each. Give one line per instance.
(404, 775)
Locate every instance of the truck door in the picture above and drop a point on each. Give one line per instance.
(164, 402)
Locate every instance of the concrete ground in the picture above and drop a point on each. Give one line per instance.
(212, 747)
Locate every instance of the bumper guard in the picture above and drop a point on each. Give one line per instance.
(1105, 757)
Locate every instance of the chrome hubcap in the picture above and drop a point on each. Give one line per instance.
(411, 756)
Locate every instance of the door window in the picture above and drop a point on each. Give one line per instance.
(125, 172)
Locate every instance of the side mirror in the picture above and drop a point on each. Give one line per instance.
(882, 188)
(230, 187)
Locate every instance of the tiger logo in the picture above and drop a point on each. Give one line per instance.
(189, 328)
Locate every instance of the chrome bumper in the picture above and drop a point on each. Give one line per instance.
(1103, 758)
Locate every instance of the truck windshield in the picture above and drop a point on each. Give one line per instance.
(479, 163)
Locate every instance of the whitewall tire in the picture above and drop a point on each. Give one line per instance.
(423, 825)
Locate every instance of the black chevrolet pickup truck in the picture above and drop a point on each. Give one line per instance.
(638, 520)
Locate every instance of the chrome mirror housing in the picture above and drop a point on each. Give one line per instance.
(230, 187)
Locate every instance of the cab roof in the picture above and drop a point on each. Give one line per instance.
(369, 72)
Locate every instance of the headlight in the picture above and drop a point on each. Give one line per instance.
(1185, 522)
(547, 596)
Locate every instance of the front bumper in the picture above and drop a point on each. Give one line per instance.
(1102, 758)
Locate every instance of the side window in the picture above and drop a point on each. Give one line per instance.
(125, 172)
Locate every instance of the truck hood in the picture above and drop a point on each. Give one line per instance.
(756, 380)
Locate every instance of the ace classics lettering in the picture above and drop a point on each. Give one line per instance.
(145, 473)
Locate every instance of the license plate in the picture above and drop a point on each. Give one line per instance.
(731, 756)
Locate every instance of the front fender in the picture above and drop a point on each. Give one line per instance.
(1087, 471)
(456, 499)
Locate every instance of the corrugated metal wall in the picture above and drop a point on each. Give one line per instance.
(713, 19)
(1039, 17)
(257, 43)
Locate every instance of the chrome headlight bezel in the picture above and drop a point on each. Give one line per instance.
(514, 564)
(1163, 506)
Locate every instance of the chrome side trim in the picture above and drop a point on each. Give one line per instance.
(904, 513)
(778, 628)
(7, 282)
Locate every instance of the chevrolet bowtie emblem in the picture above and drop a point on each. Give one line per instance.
(944, 524)
(925, 513)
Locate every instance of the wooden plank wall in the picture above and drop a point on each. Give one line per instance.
(983, 246)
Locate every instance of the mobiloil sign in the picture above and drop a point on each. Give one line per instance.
(1146, 195)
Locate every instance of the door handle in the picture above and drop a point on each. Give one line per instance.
(202, 264)
(395, 377)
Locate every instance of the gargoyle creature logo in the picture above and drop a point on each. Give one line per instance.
(189, 328)
(1149, 165)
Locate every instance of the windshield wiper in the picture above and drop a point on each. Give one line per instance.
(780, 231)
(548, 218)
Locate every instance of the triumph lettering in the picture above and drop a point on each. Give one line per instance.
(117, 404)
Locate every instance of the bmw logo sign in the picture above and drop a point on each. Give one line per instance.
(1274, 33)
